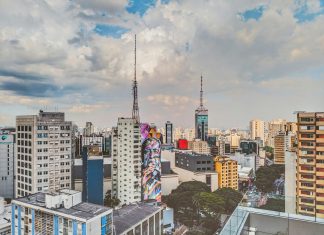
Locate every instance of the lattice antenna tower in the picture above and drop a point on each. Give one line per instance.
(135, 113)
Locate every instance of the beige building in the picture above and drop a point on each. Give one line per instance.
(310, 164)
(279, 148)
(257, 129)
(227, 172)
(199, 146)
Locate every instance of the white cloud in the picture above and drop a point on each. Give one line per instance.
(176, 43)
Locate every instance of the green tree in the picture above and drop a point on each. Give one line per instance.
(266, 175)
(181, 200)
(110, 201)
(231, 198)
(208, 204)
(274, 205)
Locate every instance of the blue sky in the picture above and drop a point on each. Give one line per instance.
(259, 59)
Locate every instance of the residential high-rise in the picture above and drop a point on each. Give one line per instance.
(199, 146)
(257, 130)
(44, 152)
(61, 212)
(7, 160)
(279, 148)
(126, 161)
(168, 132)
(310, 164)
(201, 118)
(227, 172)
(89, 129)
(93, 174)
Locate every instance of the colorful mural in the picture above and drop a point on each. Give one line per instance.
(151, 163)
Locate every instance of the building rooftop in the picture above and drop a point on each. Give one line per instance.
(5, 216)
(131, 215)
(81, 210)
(248, 219)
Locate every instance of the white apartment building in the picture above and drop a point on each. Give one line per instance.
(7, 159)
(44, 149)
(126, 161)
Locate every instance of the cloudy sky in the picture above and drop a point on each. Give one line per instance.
(259, 59)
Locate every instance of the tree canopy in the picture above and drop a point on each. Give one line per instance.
(274, 205)
(266, 175)
(231, 198)
(110, 201)
(195, 205)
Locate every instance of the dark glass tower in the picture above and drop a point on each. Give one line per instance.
(168, 132)
(201, 118)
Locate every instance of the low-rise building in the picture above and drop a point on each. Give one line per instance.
(194, 162)
(60, 212)
(227, 172)
(192, 170)
(139, 219)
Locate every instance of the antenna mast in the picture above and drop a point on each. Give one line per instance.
(135, 113)
(201, 92)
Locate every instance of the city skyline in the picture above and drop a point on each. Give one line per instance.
(86, 70)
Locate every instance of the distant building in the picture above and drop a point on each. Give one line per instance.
(257, 130)
(7, 162)
(59, 213)
(93, 175)
(199, 146)
(44, 153)
(227, 172)
(182, 144)
(201, 119)
(168, 132)
(194, 162)
(89, 129)
(249, 146)
(126, 161)
(279, 148)
(139, 219)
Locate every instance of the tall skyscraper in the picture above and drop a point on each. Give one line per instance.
(168, 132)
(126, 161)
(201, 117)
(7, 160)
(310, 164)
(44, 152)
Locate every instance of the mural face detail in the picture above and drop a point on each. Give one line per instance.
(151, 163)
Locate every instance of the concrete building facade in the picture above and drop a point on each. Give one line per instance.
(7, 163)
(126, 161)
(44, 153)
(227, 172)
